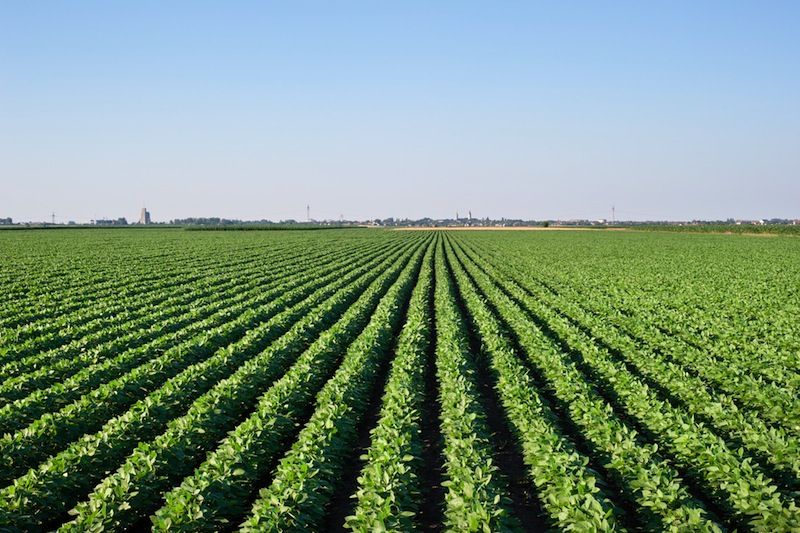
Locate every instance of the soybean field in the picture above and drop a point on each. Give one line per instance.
(374, 380)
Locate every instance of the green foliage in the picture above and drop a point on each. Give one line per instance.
(389, 494)
(567, 487)
(475, 498)
(741, 229)
(220, 486)
(306, 477)
(203, 381)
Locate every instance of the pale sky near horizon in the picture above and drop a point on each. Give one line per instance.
(250, 110)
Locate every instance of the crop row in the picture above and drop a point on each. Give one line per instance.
(36, 336)
(85, 264)
(566, 487)
(128, 334)
(734, 483)
(47, 491)
(54, 430)
(710, 305)
(221, 487)
(475, 497)
(648, 483)
(774, 398)
(37, 313)
(389, 487)
(15, 415)
(771, 444)
(306, 477)
(400, 381)
(118, 309)
(133, 492)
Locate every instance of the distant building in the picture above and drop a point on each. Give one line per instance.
(144, 217)
(6, 221)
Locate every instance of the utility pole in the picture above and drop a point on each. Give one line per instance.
(53, 216)
(613, 215)
(308, 213)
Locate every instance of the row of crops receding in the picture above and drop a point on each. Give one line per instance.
(371, 380)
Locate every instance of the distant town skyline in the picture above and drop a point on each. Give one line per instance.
(469, 220)
(671, 111)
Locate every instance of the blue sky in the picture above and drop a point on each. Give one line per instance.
(518, 109)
